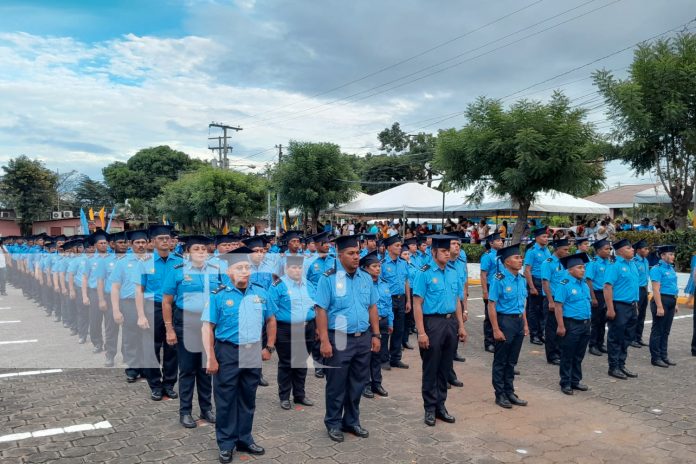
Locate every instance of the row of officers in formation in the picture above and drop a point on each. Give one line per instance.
(207, 311)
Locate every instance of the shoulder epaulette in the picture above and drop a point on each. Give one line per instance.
(179, 255)
(425, 267)
(548, 260)
(276, 280)
(329, 272)
(499, 276)
(564, 281)
(218, 290)
(258, 285)
(383, 259)
(179, 266)
(213, 266)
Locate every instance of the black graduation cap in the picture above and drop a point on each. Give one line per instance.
(119, 236)
(346, 241)
(640, 244)
(174, 233)
(370, 258)
(321, 237)
(410, 241)
(575, 260)
(254, 242)
(365, 237)
(391, 240)
(140, 234)
(580, 240)
(294, 260)
(60, 238)
(49, 243)
(539, 231)
(421, 239)
(98, 235)
(159, 229)
(237, 255)
(493, 237)
(292, 234)
(666, 249)
(219, 239)
(506, 252)
(191, 240)
(442, 241)
(599, 244)
(621, 243)
(560, 243)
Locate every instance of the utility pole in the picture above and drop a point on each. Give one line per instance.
(280, 157)
(222, 145)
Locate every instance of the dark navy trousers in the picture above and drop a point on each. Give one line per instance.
(661, 326)
(621, 332)
(573, 346)
(507, 353)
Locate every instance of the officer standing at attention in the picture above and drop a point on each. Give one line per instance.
(506, 302)
(663, 305)
(437, 293)
(642, 250)
(293, 238)
(119, 244)
(232, 325)
(573, 311)
(552, 273)
(370, 264)
(261, 270)
(185, 294)
(322, 260)
(621, 296)
(533, 259)
(148, 300)
(348, 327)
(582, 244)
(395, 273)
(370, 241)
(489, 268)
(293, 297)
(594, 276)
(91, 296)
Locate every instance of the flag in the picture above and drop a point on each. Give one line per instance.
(225, 230)
(101, 217)
(164, 220)
(285, 223)
(111, 216)
(83, 222)
(91, 214)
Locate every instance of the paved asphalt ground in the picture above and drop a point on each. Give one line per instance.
(72, 411)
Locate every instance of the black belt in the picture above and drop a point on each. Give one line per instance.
(398, 297)
(236, 346)
(288, 324)
(514, 316)
(572, 319)
(355, 334)
(441, 316)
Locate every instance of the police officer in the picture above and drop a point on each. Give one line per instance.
(92, 297)
(437, 292)
(293, 240)
(663, 306)
(642, 250)
(322, 261)
(572, 313)
(395, 273)
(370, 263)
(74, 275)
(232, 325)
(119, 244)
(348, 328)
(261, 266)
(148, 300)
(123, 279)
(621, 296)
(552, 273)
(506, 308)
(370, 244)
(533, 259)
(293, 297)
(410, 246)
(594, 276)
(582, 245)
(489, 268)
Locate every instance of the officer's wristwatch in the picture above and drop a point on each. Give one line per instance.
(376, 335)
(270, 349)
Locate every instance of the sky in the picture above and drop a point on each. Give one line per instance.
(84, 84)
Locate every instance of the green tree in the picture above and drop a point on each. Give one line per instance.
(311, 177)
(530, 148)
(209, 198)
(654, 114)
(144, 175)
(30, 188)
(90, 192)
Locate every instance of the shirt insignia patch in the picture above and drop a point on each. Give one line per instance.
(434, 280)
(574, 292)
(187, 278)
(316, 266)
(339, 285)
(257, 299)
(624, 269)
(229, 303)
(508, 289)
(130, 265)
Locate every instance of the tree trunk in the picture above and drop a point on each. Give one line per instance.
(680, 209)
(521, 224)
(315, 221)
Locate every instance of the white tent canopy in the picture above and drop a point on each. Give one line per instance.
(546, 202)
(404, 198)
(653, 195)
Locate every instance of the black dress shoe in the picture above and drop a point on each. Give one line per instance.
(628, 373)
(131, 379)
(169, 391)
(336, 435)
(285, 404)
(225, 456)
(304, 401)
(635, 344)
(156, 395)
(367, 393)
(187, 421)
(669, 362)
(602, 349)
(595, 351)
(356, 430)
(386, 367)
(263, 382)
(109, 362)
(407, 345)
(429, 419)
(379, 390)
(642, 343)
(555, 362)
(659, 363)
(319, 373)
(581, 387)
(516, 371)
(208, 416)
(399, 364)
(97, 349)
(503, 402)
(567, 390)
(490, 348)
(616, 373)
(458, 358)
(444, 416)
(251, 448)
(535, 341)
(73, 332)
(514, 399)
(456, 383)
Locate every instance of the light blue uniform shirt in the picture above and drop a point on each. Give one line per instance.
(508, 291)
(439, 288)
(395, 272)
(191, 286)
(238, 316)
(91, 268)
(294, 301)
(553, 271)
(317, 266)
(535, 257)
(643, 270)
(664, 274)
(106, 268)
(622, 275)
(346, 299)
(127, 274)
(154, 271)
(574, 294)
(460, 265)
(489, 264)
(384, 304)
(595, 271)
